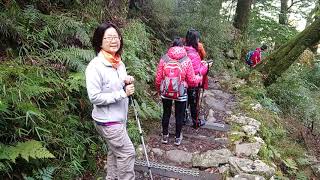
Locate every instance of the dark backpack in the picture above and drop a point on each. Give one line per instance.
(172, 86)
(248, 58)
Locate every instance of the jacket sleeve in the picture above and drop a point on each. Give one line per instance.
(159, 74)
(198, 66)
(94, 89)
(203, 69)
(191, 78)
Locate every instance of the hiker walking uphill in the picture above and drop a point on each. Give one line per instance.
(200, 67)
(108, 87)
(254, 57)
(174, 74)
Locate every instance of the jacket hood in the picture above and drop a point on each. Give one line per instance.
(176, 52)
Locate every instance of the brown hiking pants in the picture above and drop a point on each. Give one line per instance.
(121, 153)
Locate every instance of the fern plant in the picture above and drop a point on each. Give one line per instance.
(32, 148)
(74, 58)
(42, 86)
(42, 174)
(26, 150)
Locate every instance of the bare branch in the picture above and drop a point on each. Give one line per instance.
(293, 3)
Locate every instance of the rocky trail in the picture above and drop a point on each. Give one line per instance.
(207, 152)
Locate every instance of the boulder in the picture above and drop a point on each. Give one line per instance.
(242, 165)
(316, 170)
(247, 177)
(250, 130)
(243, 120)
(211, 158)
(248, 149)
(179, 156)
(157, 151)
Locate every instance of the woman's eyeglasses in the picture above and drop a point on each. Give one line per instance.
(109, 39)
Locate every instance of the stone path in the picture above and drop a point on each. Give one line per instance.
(210, 150)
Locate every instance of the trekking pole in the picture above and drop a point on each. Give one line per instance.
(197, 108)
(201, 98)
(210, 61)
(141, 136)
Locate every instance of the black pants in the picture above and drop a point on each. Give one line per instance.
(193, 100)
(180, 108)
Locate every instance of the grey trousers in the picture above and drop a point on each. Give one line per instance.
(121, 153)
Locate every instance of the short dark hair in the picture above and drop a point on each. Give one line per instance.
(263, 47)
(99, 33)
(177, 42)
(192, 38)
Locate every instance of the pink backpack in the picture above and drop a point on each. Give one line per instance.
(172, 86)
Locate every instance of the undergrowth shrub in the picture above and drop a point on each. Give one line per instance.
(297, 93)
(141, 62)
(43, 95)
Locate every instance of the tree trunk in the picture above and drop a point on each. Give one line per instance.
(279, 61)
(283, 16)
(283, 19)
(242, 15)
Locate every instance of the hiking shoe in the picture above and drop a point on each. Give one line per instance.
(178, 140)
(200, 123)
(165, 139)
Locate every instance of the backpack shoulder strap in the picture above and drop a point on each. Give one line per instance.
(165, 58)
(183, 59)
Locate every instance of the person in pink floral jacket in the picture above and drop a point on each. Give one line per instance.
(200, 67)
(176, 52)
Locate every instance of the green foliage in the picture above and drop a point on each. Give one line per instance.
(302, 176)
(297, 94)
(290, 163)
(34, 33)
(256, 91)
(160, 17)
(313, 75)
(141, 63)
(303, 161)
(266, 29)
(279, 148)
(205, 17)
(175, 18)
(133, 131)
(138, 52)
(26, 150)
(38, 103)
(33, 149)
(43, 95)
(42, 174)
(74, 58)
